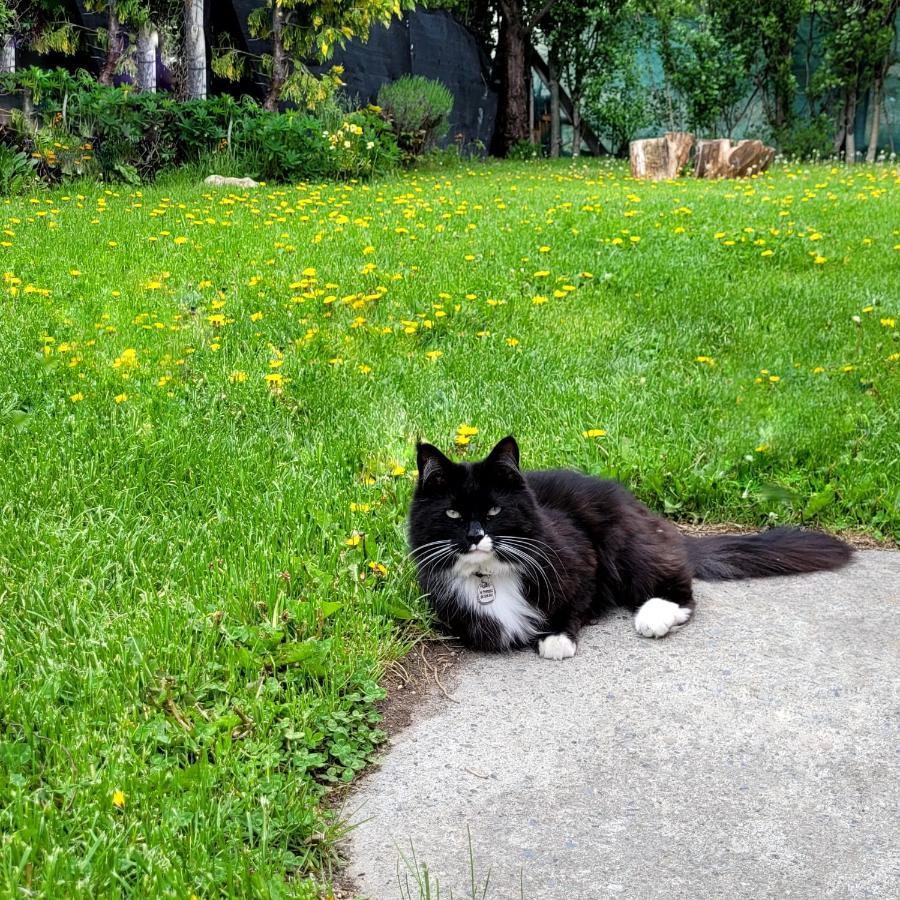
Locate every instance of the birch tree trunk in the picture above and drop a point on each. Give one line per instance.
(146, 58)
(576, 126)
(194, 50)
(875, 129)
(7, 53)
(850, 136)
(279, 59)
(555, 131)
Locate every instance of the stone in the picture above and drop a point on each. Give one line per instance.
(226, 181)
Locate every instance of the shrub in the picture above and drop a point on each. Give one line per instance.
(120, 135)
(16, 171)
(807, 139)
(523, 150)
(418, 109)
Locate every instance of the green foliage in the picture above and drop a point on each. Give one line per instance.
(121, 135)
(806, 138)
(521, 151)
(16, 171)
(418, 110)
(300, 31)
(707, 69)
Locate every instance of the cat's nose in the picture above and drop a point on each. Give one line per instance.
(475, 532)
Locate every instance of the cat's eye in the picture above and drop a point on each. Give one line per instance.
(452, 513)
(494, 511)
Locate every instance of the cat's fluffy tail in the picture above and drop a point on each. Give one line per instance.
(779, 551)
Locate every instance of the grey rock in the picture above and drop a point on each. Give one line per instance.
(226, 181)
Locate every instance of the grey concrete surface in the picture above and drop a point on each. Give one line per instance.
(752, 754)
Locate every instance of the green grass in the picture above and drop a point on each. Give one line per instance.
(190, 608)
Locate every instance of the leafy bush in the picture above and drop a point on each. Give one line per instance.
(16, 171)
(807, 139)
(418, 109)
(522, 150)
(119, 135)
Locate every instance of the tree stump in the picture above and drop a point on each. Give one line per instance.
(723, 159)
(712, 158)
(749, 158)
(660, 158)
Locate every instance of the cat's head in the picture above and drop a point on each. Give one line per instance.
(471, 517)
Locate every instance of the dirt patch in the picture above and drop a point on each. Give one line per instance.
(426, 673)
(855, 538)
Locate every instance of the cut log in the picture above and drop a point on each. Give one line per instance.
(749, 158)
(712, 158)
(723, 159)
(679, 144)
(660, 158)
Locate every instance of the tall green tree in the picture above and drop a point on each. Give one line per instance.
(583, 45)
(858, 39)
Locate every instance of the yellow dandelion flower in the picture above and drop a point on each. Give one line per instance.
(237, 377)
(354, 540)
(118, 799)
(255, 317)
(434, 354)
(76, 398)
(121, 398)
(594, 433)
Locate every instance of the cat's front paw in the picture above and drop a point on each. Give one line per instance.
(657, 617)
(556, 646)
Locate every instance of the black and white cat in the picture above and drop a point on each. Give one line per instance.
(511, 559)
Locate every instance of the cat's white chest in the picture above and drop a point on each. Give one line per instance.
(498, 596)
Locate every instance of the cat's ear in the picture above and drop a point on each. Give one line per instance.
(433, 465)
(505, 454)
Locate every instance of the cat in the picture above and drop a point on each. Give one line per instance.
(510, 559)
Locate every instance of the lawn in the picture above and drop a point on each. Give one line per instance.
(209, 403)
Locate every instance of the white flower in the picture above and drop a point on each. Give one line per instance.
(370, 145)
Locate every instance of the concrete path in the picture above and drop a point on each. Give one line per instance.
(753, 754)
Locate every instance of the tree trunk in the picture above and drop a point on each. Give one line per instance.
(194, 50)
(877, 89)
(7, 53)
(146, 58)
(576, 126)
(279, 59)
(555, 130)
(115, 45)
(512, 63)
(850, 136)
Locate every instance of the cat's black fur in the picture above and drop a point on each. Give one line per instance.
(590, 546)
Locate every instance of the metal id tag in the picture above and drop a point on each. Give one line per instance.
(486, 592)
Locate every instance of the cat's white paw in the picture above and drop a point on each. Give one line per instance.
(657, 617)
(556, 646)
